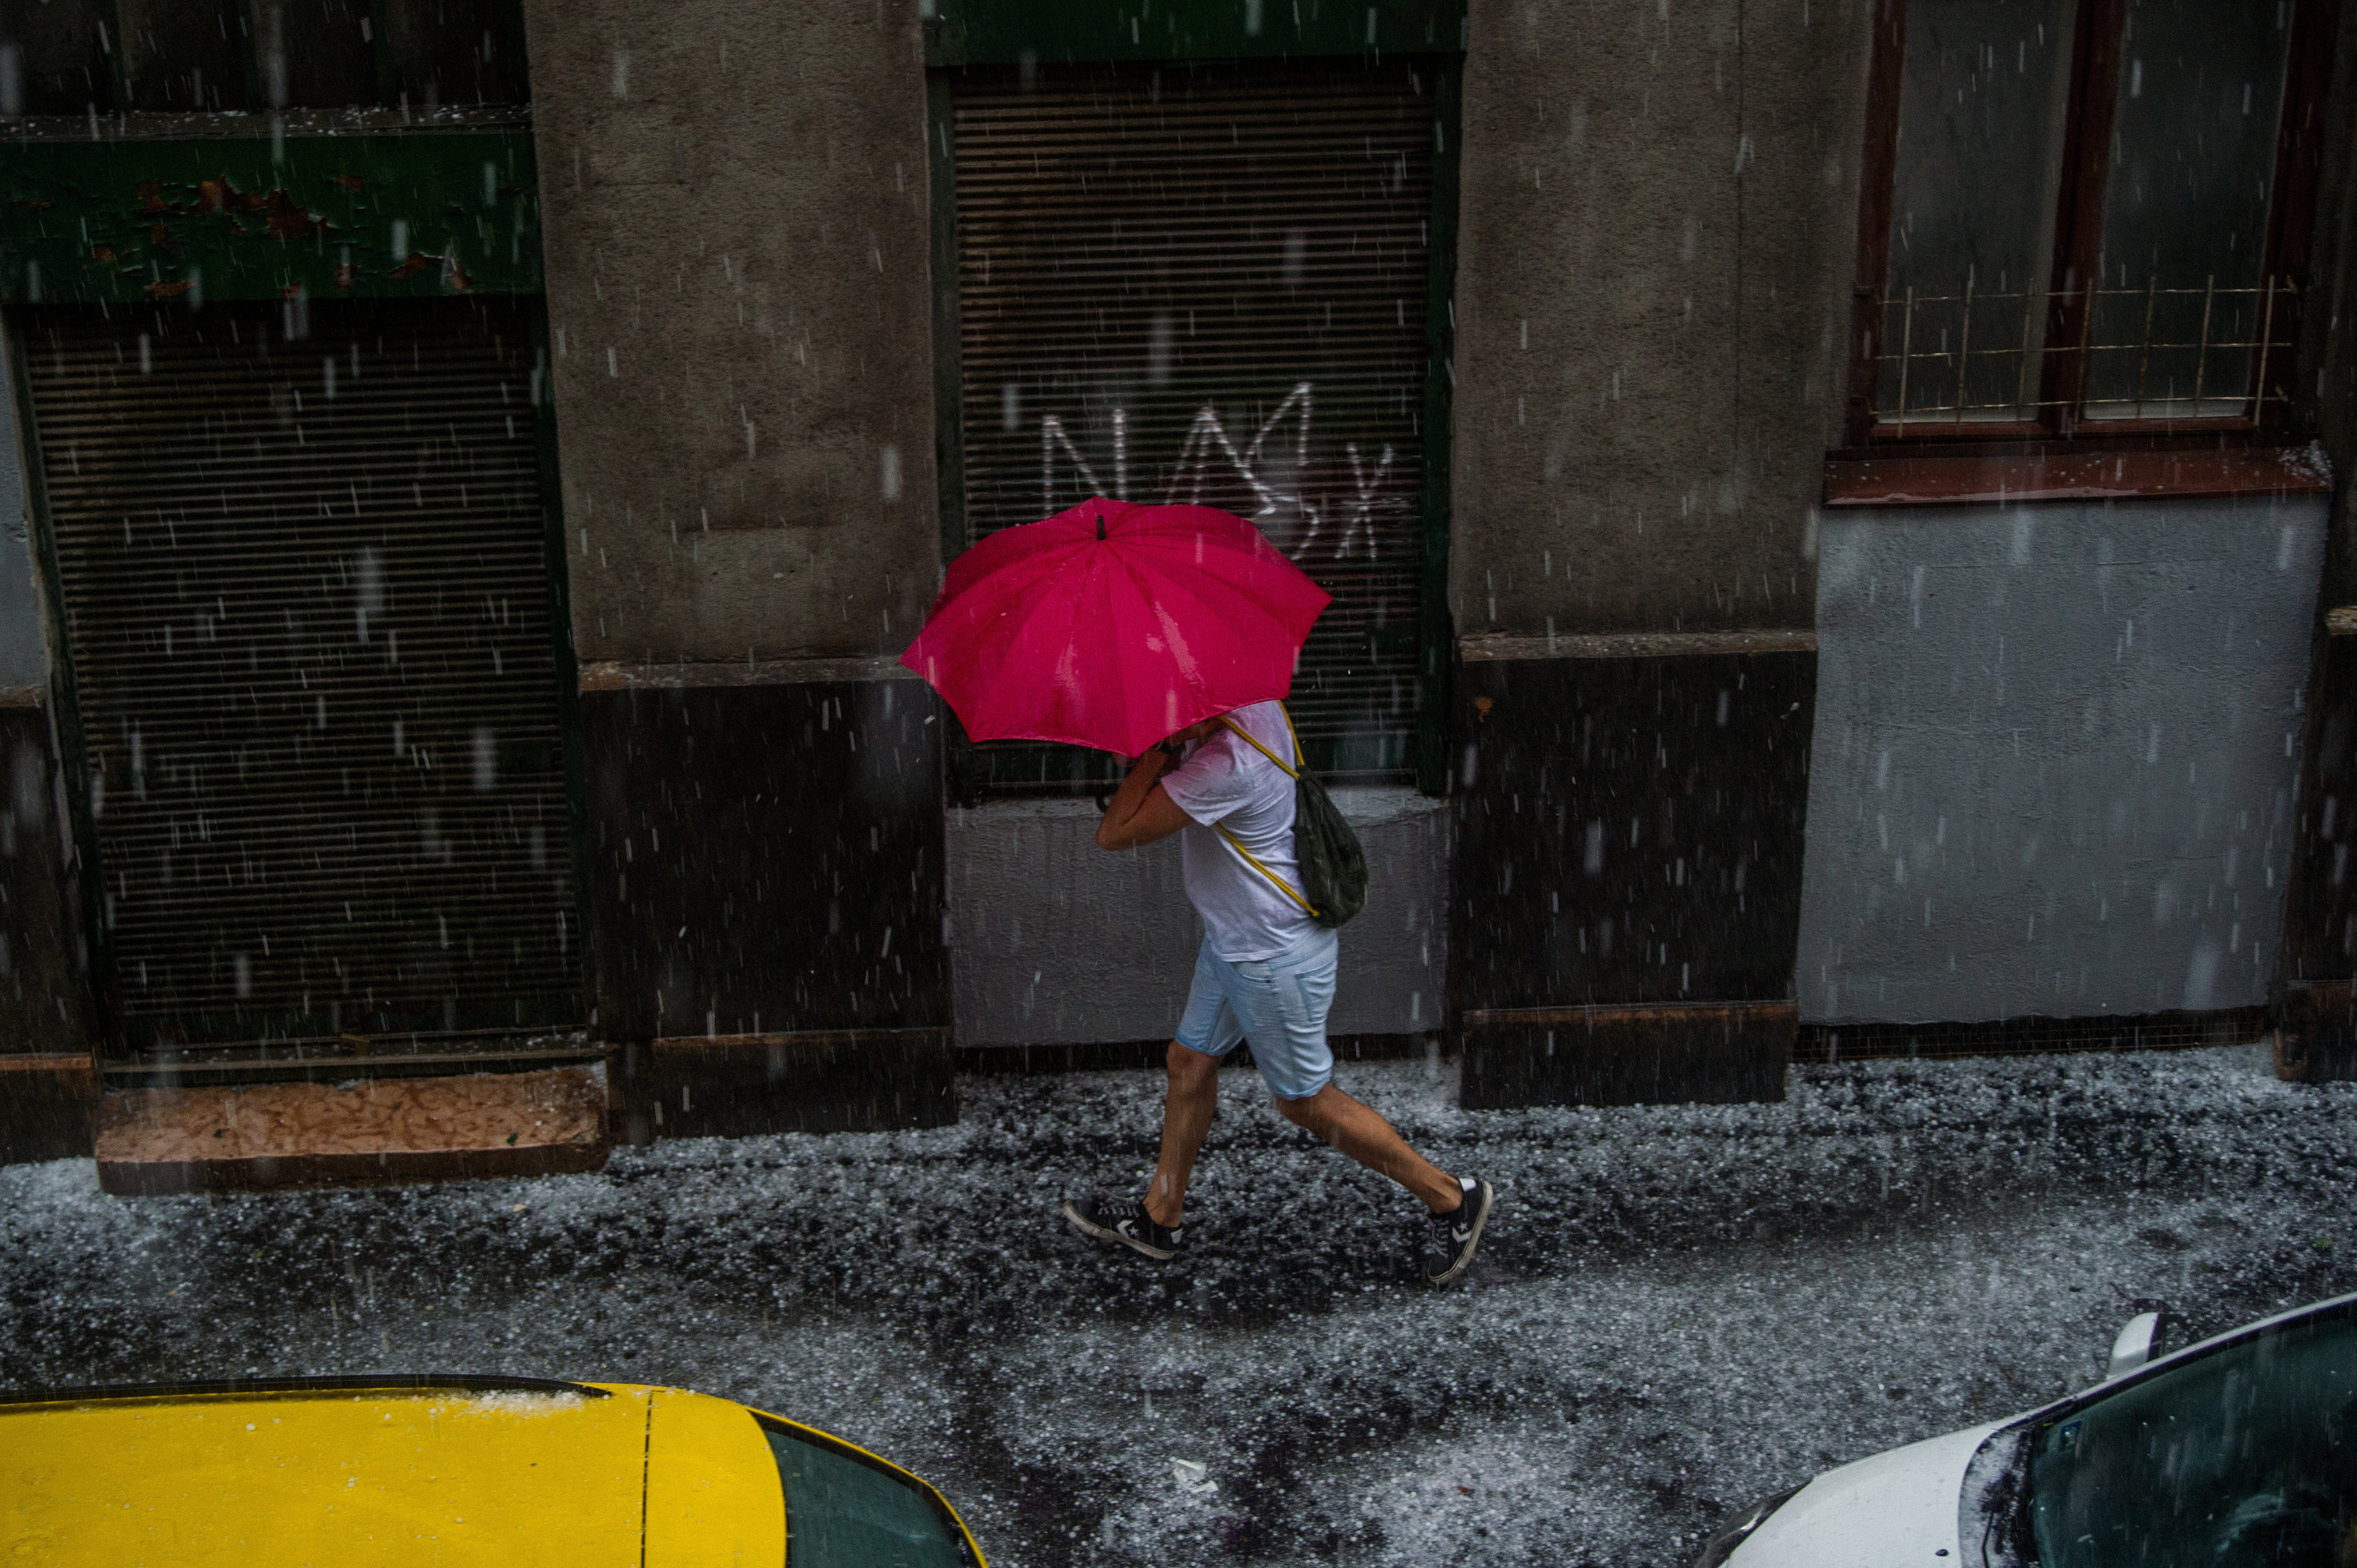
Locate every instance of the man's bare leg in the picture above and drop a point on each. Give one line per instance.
(1186, 1123)
(1360, 1132)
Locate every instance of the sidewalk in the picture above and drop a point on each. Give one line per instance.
(1678, 1309)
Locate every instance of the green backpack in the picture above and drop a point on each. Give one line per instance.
(1333, 867)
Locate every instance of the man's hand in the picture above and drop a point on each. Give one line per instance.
(1141, 811)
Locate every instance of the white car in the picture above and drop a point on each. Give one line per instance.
(2239, 1452)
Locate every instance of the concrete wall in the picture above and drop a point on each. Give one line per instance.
(2326, 385)
(24, 658)
(2054, 763)
(2319, 939)
(737, 251)
(1054, 941)
(1659, 220)
(44, 1002)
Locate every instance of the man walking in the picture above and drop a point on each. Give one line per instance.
(1264, 973)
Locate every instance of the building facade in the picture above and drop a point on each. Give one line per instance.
(1795, 592)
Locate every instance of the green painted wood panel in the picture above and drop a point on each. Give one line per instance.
(354, 216)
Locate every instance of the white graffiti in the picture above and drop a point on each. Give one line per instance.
(1207, 442)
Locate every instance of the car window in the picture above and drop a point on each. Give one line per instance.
(2241, 1458)
(845, 1511)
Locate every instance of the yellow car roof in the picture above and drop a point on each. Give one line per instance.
(348, 1475)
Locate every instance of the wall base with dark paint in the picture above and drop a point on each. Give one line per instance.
(2320, 933)
(45, 1001)
(2315, 1033)
(1629, 831)
(2035, 1035)
(49, 1107)
(1702, 1054)
(765, 866)
(846, 1081)
(48, 1088)
(2316, 1023)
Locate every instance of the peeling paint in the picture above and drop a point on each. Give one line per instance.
(290, 219)
(232, 220)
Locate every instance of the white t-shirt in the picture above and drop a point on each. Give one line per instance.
(1223, 779)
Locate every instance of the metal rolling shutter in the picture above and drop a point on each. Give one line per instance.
(1209, 281)
(306, 590)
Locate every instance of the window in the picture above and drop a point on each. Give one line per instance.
(2085, 217)
(1210, 281)
(849, 1509)
(1207, 253)
(312, 803)
(301, 549)
(2246, 1455)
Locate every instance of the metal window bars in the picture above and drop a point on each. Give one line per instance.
(1965, 382)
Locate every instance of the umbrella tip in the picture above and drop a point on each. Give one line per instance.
(1100, 525)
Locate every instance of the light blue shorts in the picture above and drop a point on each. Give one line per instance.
(1278, 1003)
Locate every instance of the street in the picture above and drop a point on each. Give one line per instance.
(1678, 1308)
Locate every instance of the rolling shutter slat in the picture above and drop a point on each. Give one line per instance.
(271, 554)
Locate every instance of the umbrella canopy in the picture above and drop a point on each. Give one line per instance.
(1112, 624)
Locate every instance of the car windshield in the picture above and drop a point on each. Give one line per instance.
(2241, 1458)
(845, 1511)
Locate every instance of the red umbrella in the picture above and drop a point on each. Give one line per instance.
(1113, 625)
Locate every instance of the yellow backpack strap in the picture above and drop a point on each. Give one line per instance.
(1296, 734)
(1283, 886)
(1289, 773)
(1237, 844)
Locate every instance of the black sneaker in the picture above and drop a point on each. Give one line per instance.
(1449, 1240)
(1124, 1222)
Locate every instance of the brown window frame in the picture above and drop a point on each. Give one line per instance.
(2094, 70)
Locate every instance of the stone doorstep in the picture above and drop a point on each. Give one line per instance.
(156, 1140)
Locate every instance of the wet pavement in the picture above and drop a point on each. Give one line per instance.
(1678, 1308)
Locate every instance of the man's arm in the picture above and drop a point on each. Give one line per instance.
(1141, 811)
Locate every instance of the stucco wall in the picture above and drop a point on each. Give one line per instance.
(1659, 228)
(1054, 941)
(2054, 756)
(736, 248)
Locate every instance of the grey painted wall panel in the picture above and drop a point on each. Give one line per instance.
(1054, 941)
(2054, 765)
(24, 661)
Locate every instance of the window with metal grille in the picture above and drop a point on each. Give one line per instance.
(2085, 216)
(303, 569)
(1208, 282)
